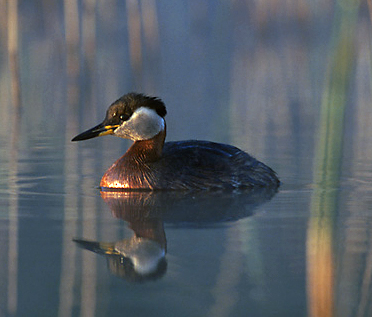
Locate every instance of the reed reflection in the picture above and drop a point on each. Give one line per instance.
(321, 260)
(142, 257)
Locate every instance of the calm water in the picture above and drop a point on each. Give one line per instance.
(290, 83)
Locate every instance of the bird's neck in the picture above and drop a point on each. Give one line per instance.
(147, 150)
(132, 169)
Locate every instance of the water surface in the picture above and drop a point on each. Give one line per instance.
(290, 84)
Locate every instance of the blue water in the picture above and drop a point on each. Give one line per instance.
(255, 76)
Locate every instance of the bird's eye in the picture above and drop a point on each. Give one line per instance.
(124, 117)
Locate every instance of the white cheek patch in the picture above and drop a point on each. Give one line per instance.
(144, 124)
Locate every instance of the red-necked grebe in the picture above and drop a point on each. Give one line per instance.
(151, 164)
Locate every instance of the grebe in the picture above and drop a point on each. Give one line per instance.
(151, 164)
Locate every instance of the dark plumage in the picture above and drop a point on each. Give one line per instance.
(127, 104)
(210, 165)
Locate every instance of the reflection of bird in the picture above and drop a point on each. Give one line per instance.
(150, 164)
(137, 259)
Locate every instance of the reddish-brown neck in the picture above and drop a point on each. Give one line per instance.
(147, 150)
(130, 171)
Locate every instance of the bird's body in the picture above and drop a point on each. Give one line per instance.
(151, 164)
(186, 165)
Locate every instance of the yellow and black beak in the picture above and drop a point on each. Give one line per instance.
(96, 131)
(106, 248)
